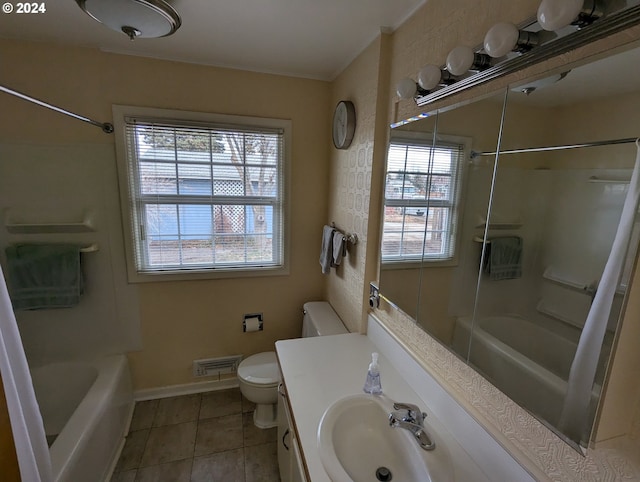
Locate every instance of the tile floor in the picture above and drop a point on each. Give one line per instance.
(197, 438)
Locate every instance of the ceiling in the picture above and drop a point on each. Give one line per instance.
(313, 39)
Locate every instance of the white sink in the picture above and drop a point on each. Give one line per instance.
(355, 440)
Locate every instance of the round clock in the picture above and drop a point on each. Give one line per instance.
(344, 124)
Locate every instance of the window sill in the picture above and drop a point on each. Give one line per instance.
(416, 264)
(205, 274)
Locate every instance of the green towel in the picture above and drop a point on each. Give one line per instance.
(42, 276)
(503, 260)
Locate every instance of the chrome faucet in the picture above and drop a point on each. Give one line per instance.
(411, 418)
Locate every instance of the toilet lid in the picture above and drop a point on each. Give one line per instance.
(261, 368)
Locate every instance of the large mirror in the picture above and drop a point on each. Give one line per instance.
(502, 257)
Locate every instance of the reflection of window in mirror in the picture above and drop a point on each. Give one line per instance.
(422, 205)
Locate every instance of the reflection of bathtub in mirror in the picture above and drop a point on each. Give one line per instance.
(530, 363)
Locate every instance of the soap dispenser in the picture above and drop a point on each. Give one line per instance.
(372, 384)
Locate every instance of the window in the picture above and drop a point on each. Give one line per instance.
(422, 193)
(204, 193)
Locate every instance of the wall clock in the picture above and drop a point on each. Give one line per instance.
(344, 124)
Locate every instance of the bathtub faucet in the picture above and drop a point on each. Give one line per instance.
(411, 418)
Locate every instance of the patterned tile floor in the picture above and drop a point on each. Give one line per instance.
(197, 438)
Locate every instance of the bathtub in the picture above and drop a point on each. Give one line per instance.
(86, 408)
(530, 364)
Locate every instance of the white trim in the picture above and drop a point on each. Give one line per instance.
(184, 389)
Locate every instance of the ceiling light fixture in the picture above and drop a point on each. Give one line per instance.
(134, 18)
(540, 83)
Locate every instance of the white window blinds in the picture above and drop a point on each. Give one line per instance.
(204, 196)
(421, 200)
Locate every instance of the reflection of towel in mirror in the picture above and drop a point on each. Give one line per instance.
(326, 252)
(44, 276)
(338, 248)
(503, 258)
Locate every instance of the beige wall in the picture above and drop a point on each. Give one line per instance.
(183, 321)
(355, 173)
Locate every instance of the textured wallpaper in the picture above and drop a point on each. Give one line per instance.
(350, 186)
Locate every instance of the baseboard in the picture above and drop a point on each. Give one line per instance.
(185, 389)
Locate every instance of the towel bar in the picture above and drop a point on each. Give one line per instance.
(92, 248)
(479, 239)
(351, 238)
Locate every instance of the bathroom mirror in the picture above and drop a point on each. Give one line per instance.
(427, 199)
(551, 217)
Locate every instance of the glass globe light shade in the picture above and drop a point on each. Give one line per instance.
(135, 18)
(460, 60)
(556, 14)
(406, 88)
(429, 77)
(501, 39)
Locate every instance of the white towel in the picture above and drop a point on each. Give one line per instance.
(326, 252)
(338, 248)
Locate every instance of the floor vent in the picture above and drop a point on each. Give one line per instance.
(215, 366)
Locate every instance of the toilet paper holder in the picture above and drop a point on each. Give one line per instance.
(252, 322)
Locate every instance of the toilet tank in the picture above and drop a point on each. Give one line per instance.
(320, 320)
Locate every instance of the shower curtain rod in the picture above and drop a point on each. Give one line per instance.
(105, 126)
(629, 140)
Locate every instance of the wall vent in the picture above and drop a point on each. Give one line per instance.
(208, 367)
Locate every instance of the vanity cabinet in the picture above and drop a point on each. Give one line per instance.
(289, 458)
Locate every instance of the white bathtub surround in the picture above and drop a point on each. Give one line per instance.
(319, 371)
(88, 414)
(26, 421)
(583, 369)
(54, 185)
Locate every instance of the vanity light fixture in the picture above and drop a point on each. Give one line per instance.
(406, 88)
(492, 60)
(134, 18)
(504, 37)
(556, 14)
(431, 76)
(463, 59)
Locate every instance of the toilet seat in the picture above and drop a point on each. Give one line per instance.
(260, 369)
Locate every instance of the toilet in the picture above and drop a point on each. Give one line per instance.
(258, 374)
